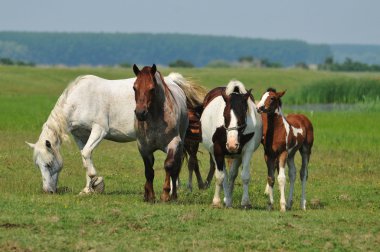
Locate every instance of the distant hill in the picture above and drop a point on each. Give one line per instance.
(369, 54)
(113, 48)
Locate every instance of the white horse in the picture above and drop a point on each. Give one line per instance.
(231, 127)
(91, 109)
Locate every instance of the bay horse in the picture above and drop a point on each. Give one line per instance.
(161, 124)
(231, 127)
(91, 109)
(282, 138)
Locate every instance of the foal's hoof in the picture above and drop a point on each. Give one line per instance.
(97, 184)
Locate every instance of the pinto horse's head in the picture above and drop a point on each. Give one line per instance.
(144, 87)
(235, 116)
(270, 101)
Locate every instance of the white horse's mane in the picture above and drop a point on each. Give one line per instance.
(235, 86)
(56, 121)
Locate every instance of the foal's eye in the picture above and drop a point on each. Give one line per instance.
(272, 98)
(134, 88)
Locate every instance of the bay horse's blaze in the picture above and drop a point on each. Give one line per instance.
(282, 138)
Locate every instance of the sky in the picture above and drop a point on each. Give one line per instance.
(314, 21)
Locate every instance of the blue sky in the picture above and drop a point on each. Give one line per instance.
(322, 21)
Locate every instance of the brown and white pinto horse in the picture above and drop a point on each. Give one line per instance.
(161, 123)
(282, 138)
(231, 127)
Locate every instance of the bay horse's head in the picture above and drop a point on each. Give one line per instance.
(270, 101)
(235, 116)
(144, 87)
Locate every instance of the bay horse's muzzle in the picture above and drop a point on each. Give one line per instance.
(141, 114)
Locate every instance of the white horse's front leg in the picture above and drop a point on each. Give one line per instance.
(228, 186)
(93, 182)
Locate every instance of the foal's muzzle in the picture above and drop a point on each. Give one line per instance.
(141, 114)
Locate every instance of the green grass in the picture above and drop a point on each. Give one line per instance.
(343, 184)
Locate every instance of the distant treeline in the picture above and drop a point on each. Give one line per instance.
(74, 49)
(348, 65)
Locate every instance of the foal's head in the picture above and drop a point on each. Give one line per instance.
(144, 87)
(235, 116)
(270, 101)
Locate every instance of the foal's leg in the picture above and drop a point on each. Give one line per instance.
(270, 161)
(282, 179)
(172, 167)
(210, 173)
(292, 179)
(96, 136)
(304, 174)
(228, 185)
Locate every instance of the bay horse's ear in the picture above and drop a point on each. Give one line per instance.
(136, 70)
(248, 94)
(280, 94)
(153, 69)
(30, 144)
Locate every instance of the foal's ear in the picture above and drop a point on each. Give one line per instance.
(153, 70)
(136, 70)
(30, 145)
(280, 94)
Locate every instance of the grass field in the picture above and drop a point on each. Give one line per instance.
(343, 190)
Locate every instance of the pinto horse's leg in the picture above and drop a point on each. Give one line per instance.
(292, 179)
(304, 175)
(96, 136)
(229, 184)
(282, 180)
(246, 177)
(172, 167)
(219, 177)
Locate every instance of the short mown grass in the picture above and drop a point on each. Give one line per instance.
(343, 190)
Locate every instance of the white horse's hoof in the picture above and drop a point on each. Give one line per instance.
(97, 184)
(86, 191)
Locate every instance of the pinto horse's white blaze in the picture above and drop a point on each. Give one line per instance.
(232, 144)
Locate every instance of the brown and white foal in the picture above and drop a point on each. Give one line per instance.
(282, 138)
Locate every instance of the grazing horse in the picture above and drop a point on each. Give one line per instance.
(161, 124)
(282, 138)
(231, 127)
(91, 109)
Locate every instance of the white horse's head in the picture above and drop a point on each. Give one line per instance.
(48, 158)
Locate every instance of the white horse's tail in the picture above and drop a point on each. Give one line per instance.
(235, 86)
(194, 93)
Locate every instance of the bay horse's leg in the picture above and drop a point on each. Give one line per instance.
(282, 180)
(228, 184)
(96, 136)
(219, 177)
(210, 173)
(192, 149)
(292, 179)
(270, 161)
(304, 174)
(172, 166)
(148, 159)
